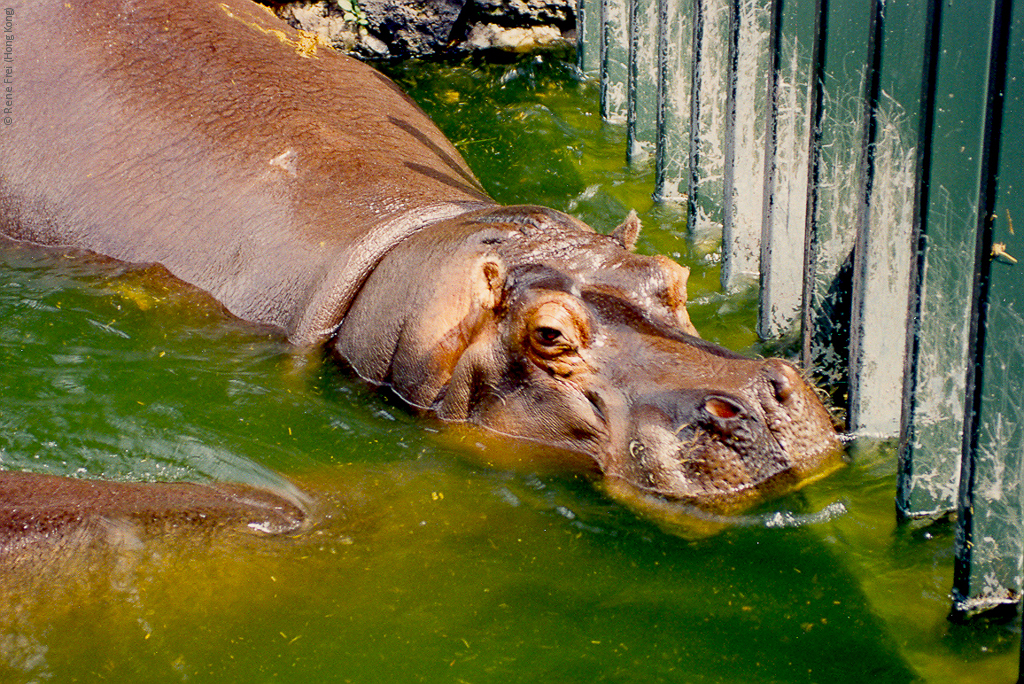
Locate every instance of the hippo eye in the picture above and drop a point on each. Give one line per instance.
(547, 335)
(553, 337)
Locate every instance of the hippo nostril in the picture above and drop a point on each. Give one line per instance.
(723, 408)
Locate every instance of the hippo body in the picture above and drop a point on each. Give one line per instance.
(305, 192)
(209, 138)
(40, 510)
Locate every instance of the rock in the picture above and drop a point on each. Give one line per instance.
(525, 13)
(380, 29)
(413, 27)
(494, 37)
(373, 46)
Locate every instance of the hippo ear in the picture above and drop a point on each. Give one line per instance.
(675, 292)
(627, 232)
(489, 288)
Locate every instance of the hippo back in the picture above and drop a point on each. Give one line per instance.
(215, 140)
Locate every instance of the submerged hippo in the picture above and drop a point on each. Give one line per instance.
(304, 191)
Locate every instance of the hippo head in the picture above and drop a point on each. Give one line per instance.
(528, 323)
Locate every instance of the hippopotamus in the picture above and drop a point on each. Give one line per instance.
(40, 508)
(305, 192)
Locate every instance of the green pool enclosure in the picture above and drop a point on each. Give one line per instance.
(859, 159)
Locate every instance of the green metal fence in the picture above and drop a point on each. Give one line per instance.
(858, 158)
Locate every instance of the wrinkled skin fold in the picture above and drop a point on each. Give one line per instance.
(305, 192)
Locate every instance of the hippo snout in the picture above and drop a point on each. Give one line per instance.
(719, 447)
(772, 399)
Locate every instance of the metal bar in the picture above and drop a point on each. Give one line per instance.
(581, 35)
(860, 373)
(948, 240)
(969, 592)
(818, 56)
(905, 507)
(747, 57)
(766, 326)
(632, 78)
(603, 59)
(732, 84)
(661, 105)
(696, 73)
(791, 27)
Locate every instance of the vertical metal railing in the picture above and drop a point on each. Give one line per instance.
(789, 123)
(854, 156)
(988, 541)
(867, 412)
(911, 500)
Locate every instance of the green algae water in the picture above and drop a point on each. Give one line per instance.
(429, 566)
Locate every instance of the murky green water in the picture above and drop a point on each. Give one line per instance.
(430, 567)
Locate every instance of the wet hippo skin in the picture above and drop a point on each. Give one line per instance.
(41, 507)
(305, 192)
